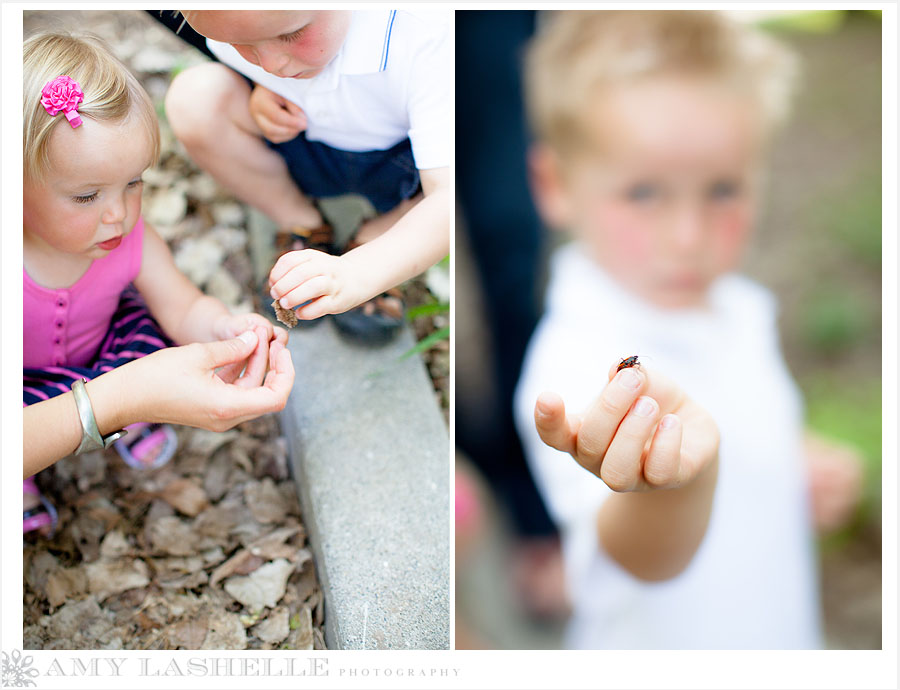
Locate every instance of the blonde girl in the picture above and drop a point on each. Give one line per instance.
(103, 300)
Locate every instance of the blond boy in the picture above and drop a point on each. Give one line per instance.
(692, 529)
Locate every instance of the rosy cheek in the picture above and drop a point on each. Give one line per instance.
(627, 239)
(311, 49)
(733, 226)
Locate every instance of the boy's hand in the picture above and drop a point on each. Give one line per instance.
(641, 433)
(323, 280)
(278, 118)
(835, 481)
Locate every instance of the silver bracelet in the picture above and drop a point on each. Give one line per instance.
(90, 432)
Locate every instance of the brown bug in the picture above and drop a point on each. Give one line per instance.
(627, 363)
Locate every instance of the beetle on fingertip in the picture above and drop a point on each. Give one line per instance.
(627, 363)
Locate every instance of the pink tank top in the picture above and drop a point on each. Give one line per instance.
(66, 327)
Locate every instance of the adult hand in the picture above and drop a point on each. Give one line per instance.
(278, 118)
(641, 433)
(180, 385)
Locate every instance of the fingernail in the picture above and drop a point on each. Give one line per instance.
(670, 421)
(283, 302)
(644, 407)
(628, 379)
(248, 337)
(273, 294)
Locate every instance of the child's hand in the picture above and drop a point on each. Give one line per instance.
(300, 276)
(835, 481)
(633, 442)
(232, 325)
(277, 118)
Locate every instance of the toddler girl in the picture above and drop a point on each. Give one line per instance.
(98, 282)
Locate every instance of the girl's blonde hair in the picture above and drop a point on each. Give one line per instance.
(580, 52)
(111, 92)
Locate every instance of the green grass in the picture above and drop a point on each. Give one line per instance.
(850, 411)
(836, 320)
(815, 22)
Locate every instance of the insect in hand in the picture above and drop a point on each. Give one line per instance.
(627, 363)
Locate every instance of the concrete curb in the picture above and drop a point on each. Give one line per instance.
(370, 454)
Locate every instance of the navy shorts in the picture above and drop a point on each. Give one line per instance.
(385, 178)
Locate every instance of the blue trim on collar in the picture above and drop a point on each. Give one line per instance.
(387, 42)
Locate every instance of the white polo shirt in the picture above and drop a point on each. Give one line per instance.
(752, 583)
(391, 79)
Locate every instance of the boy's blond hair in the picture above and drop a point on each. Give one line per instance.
(578, 53)
(111, 92)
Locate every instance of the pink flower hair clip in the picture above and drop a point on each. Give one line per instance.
(63, 95)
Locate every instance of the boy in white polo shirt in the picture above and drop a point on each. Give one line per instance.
(340, 101)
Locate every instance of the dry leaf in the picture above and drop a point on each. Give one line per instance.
(189, 581)
(87, 533)
(114, 545)
(285, 316)
(109, 577)
(301, 635)
(225, 632)
(263, 587)
(66, 584)
(173, 536)
(274, 628)
(188, 634)
(243, 562)
(264, 501)
(203, 442)
(308, 583)
(185, 496)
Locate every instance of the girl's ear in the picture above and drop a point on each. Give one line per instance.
(547, 181)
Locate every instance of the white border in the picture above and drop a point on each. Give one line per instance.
(872, 669)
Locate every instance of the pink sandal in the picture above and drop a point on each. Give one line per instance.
(147, 446)
(39, 516)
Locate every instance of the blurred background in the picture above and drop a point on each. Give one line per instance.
(817, 246)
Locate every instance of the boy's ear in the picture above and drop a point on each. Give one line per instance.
(547, 181)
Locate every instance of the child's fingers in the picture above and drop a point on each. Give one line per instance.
(551, 423)
(277, 132)
(662, 467)
(316, 287)
(281, 335)
(663, 390)
(256, 321)
(294, 109)
(621, 466)
(600, 422)
(279, 135)
(280, 378)
(315, 309)
(296, 277)
(290, 260)
(295, 115)
(256, 364)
